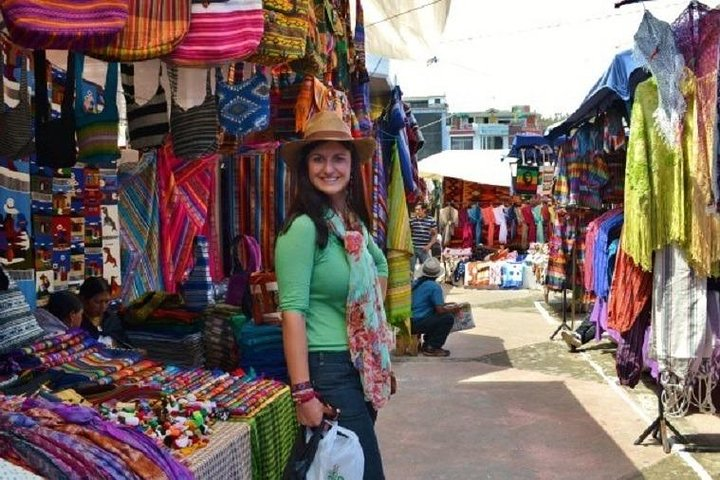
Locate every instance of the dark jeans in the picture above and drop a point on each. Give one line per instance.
(586, 330)
(338, 382)
(435, 328)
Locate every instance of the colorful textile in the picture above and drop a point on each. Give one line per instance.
(369, 337)
(138, 211)
(629, 293)
(399, 250)
(17, 325)
(198, 288)
(667, 204)
(682, 341)
(184, 190)
(379, 199)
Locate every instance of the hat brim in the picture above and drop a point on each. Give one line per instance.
(290, 151)
(438, 274)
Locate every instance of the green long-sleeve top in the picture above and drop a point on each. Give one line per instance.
(314, 282)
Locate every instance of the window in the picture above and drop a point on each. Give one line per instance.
(437, 101)
(461, 143)
(496, 143)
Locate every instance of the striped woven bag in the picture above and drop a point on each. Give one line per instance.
(220, 33)
(154, 28)
(64, 24)
(195, 130)
(285, 35)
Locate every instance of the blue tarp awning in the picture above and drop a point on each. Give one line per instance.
(617, 83)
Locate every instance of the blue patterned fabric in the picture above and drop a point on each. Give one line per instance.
(244, 107)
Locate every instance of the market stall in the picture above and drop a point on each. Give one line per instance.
(134, 149)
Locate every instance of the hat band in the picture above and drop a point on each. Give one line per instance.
(329, 135)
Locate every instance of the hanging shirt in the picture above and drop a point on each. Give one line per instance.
(499, 213)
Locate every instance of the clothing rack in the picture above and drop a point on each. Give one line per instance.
(659, 427)
(564, 324)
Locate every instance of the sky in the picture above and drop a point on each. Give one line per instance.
(546, 54)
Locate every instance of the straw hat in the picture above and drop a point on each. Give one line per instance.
(431, 268)
(327, 126)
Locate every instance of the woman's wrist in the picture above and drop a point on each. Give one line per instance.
(295, 387)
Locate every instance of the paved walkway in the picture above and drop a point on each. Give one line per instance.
(511, 404)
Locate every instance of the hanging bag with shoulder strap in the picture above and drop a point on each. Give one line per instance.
(195, 130)
(286, 27)
(244, 106)
(64, 24)
(147, 123)
(154, 28)
(54, 138)
(16, 139)
(220, 33)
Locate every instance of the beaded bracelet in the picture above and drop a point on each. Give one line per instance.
(301, 386)
(304, 396)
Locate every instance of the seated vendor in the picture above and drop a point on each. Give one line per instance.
(64, 310)
(99, 321)
(431, 316)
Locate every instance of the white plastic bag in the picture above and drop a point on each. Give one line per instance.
(339, 456)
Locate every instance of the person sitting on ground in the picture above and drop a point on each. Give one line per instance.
(431, 316)
(63, 311)
(582, 334)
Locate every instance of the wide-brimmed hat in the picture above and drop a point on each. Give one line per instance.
(327, 126)
(431, 268)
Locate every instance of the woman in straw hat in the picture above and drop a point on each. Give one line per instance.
(332, 280)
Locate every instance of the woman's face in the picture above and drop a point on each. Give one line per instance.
(75, 319)
(329, 167)
(96, 305)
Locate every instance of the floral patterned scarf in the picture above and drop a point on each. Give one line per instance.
(369, 336)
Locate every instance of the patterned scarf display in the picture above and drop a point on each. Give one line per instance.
(369, 336)
(655, 47)
(379, 199)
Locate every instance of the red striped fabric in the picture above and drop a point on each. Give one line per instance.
(64, 24)
(220, 33)
(154, 28)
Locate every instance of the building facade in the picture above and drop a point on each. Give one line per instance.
(431, 114)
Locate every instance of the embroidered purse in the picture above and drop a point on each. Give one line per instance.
(286, 27)
(245, 106)
(154, 28)
(64, 24)
(195, 130)
(148, 123)
(16, 140)
(54, 138)
(220, 33)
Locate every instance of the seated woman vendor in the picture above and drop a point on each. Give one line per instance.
(64, 310)
(98, 321)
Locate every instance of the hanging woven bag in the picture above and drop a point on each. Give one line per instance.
(286, 29)
(195, 130)
(244, 107)
(54, 137)
(220, 33)
(64, 24)
(147, 123)
(154, 28)
(16, 139)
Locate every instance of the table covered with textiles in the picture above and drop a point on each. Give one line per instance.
(227, 455)
(262, 407)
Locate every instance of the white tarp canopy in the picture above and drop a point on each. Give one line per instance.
(404, 29)
(485, 167)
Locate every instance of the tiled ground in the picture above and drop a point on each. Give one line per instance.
(510, 403)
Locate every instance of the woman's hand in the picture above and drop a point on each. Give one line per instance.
(310, 413)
